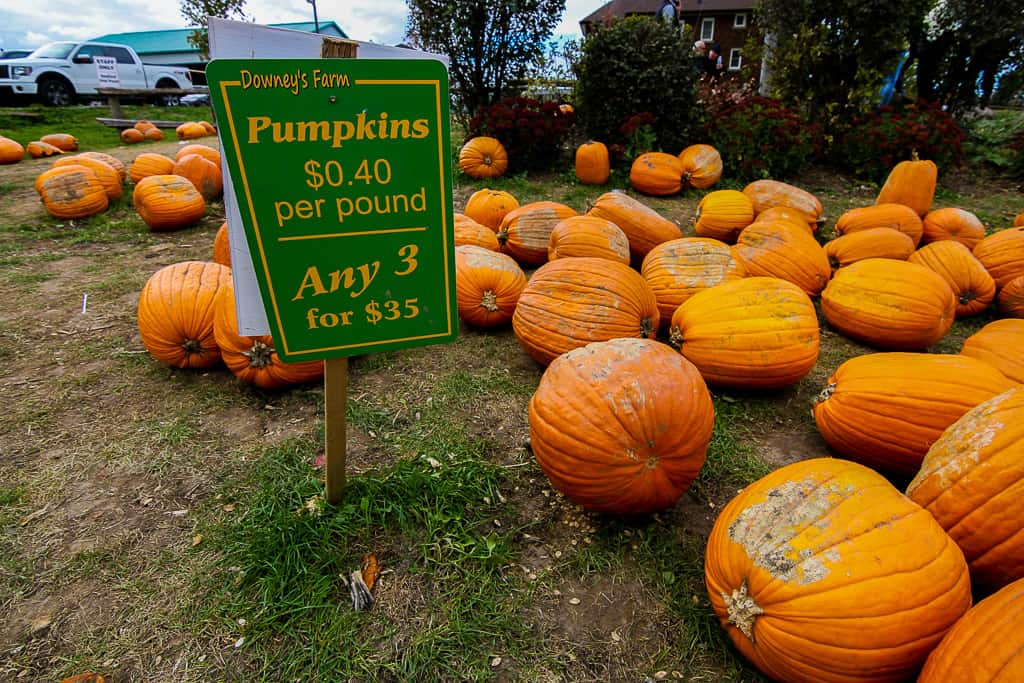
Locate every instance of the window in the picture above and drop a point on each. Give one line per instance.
(735, 59)
(707, 29)
(87, 52)
(739, 20)
(121, 54)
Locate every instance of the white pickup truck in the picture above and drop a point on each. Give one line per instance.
(58, 73)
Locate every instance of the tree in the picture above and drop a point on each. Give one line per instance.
(488, 42)
(196, 12)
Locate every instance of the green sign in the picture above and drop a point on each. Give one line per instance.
(342, 172)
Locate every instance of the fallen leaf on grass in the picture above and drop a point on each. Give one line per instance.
(196, 540)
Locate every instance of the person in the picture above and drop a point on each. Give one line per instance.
(700, 57)
(668, 13)
(715, 66)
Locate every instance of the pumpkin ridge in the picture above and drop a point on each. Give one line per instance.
(1013, 492)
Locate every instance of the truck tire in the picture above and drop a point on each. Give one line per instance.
(167, 100)
(56, 92)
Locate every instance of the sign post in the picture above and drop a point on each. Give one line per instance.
(342, 174)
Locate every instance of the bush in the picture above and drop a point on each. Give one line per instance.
(995, 138)
(532, 132)
(873, 144)
(761, 138)
(638, 66)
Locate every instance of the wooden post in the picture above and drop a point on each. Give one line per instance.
(115, 106)
(335, 400)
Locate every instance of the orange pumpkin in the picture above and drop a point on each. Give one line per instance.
(190, 130)
(656, 173)
(11, 152)
(483, 157)
(254, 360)
(202, 150)
(1018, 220)
(723, 214)
(38, 149)
(222, 246)
(175, 314)
(1001, 345)
(969, 475)
(823, 571)
(787, 214)
(202, 173)
(953, 224)
(870, 243)
(168, 202)
(62, 141)
(150, 163)
(1011, 298)
(765, 194)
(588, 236)
(72, 191)
(679, 268)
(895, 216)
(488, 207)
(889, 304)
(571, 302)
(114, 162)
(885, 410)
(154, 134)
(911, 183)
(645, 228)
(702, 166)
(593, 166)
(621, 426)
(487, 286)
(526, 230)
(105, 173)
(208, 127)
(784, 250)
(1002, 254)
(131, 136)
(986, 644)
(973, 287)
(468, 231)
(752, 333)
(143, 126)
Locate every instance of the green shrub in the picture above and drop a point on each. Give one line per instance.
(761, 138)
(532, 132)
(873, 144)
(995, 139)
(638, 66)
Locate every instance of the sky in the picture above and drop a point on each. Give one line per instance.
(31, 24)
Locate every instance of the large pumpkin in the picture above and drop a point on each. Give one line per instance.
(483, 157)
(571, 302)
(702, 166)
(168, 202)
(254, 359)
(149, 163)
(621, 426)
(588, 236)
(1011, 298)
(1002, 254)
(175, 314)
(889, 304)
(488, 207)
(114, 162)
(723, 214)
(872, 243)
(953, 224)
(105, 173)
(72, 191)
(644, 227)
(62, 141)
(11, 151)
(985, 646)
(823, 572)
(764, 194)
(190, 130)
(38, 149)
(593, 167)
(222, 246)
(656, 173)
(487, 286)
(753, 333)
(972, 480)
(1001, 345)
(132, 136)
(525, 231)
(199, 148)
(468, 231)
(895, 216)
(973, 287)
(784, 250)
(202, 173)
(885, 410)
(678, 269)
(789, 214)
(911, 183)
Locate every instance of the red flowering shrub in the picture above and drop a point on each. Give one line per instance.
(761, 138)
(532, 132)
(873, 144)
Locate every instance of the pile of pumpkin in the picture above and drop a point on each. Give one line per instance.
(145, 130)
(12, 151)
(823, 570)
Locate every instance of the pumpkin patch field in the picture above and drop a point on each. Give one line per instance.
(617, 472)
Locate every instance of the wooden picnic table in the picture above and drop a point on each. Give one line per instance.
(114, 95)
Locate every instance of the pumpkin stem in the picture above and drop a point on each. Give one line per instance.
(966, 298)
(826, 393)
(675, 336)
(192, 346)
(489, 301)
(502, 236)
(834, 263)
(743, 611)
(913, 155)
(646, 328)
(488, 160)
(260, 355)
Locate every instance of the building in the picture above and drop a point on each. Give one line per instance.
(729, 23)
(171, 46)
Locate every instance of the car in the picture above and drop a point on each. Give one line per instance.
(14, 53)
(199, 99)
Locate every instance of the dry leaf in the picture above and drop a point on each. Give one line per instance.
(197, 539)
(230, 507)
(371, 570)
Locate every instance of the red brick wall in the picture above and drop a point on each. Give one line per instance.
(727, 35)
